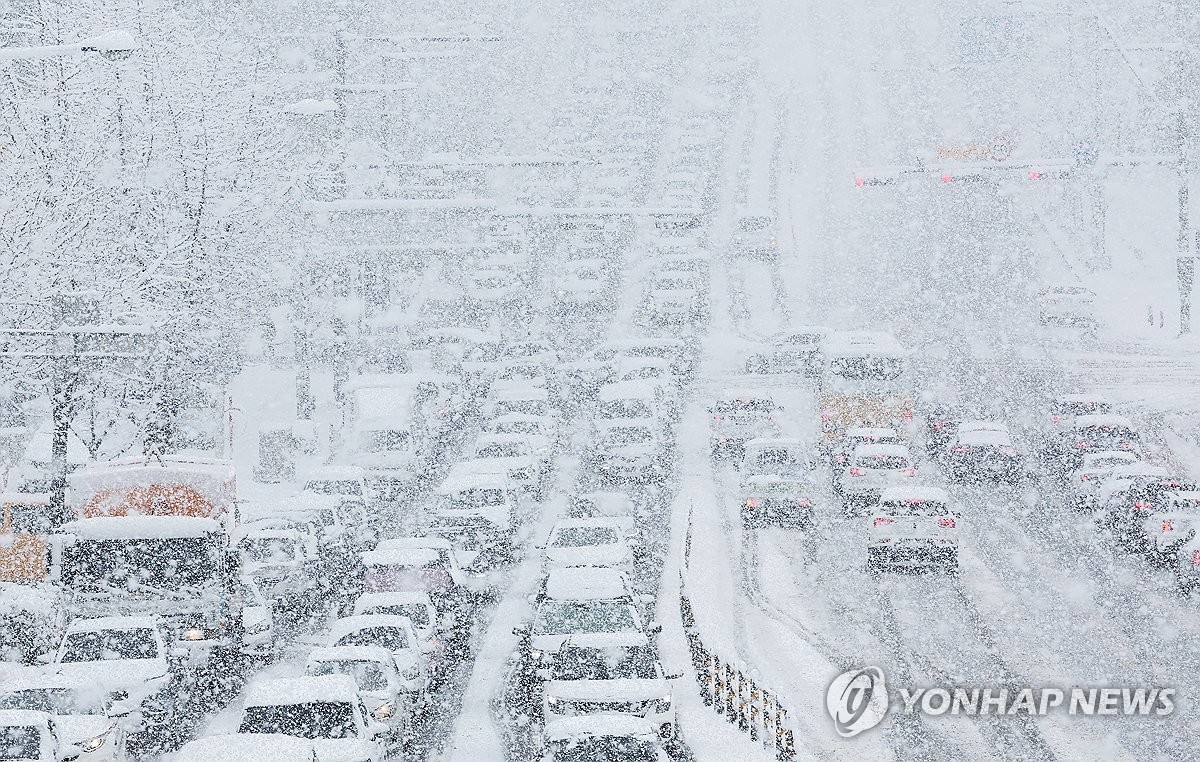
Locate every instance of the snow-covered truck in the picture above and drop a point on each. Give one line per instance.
(152, 537)
(864, 383)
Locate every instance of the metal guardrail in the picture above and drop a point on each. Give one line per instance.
(732, 690)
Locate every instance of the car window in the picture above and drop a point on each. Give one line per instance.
(625, 409)
(914, 507)
(882, 461)
(368, 676)
(391, 638)
(758, 405)
(269, 549)
(417, 613)
(501, 450)
(333, 487)
(620, 663)
(626, 435)
(604, 749)
(315, 720)
(21, 742)
(566, 618)
(58, 701)
(574, 537)
(108, 645)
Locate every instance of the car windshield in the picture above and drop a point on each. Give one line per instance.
(775, 457)
(135, 643)
(867, 368)
(516, 427)
(625, 409)
(333, 487)
(391, 638)
(882, 461)
(368, 675)
(631, 663)
(383, 440)
(758, 405)
(605, 749)
(1083, 408)
(478, 497)
(753, 224)
(627, 435)
(574, 537)
(20, 742)
(318, 719)
(60, 701)
(501, 450)
(913, 507)
(266, 550)
(1103, 434)
(417, 613)
(567, 618)
(524, 407)
(161, 564)
(29, 518)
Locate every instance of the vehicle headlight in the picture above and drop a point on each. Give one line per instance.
(94, 743)
(555, 704)
(194, 633)
(536, 655)
(384, 711)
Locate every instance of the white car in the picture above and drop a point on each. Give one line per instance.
(477, 508)
(394, 633)
(674, 297)
(540, 431)
(610, 505)
(511, 455)
(380, 686)
(345, 481)
(589, 542)
(630, 451)
(874, 468)
(1067, 305)
(421, 613)
(609, 674)
(632, 399)
(581, 601)
(738, 416)
(913, 526)
(257, 747)
(603, 737)
(841, 452)
(325, 710)
(1095, 467)
(795, 351)
(27, 736)
(754, 234)
(1113, 491)
(1067, 407)
(83, 714)
(127, 656)
(1173, 523)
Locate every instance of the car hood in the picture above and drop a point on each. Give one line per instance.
(344, 750)
(113, 674)
(607, 690)
(77, 728)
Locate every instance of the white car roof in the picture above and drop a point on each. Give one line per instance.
(585, 583)
(916, 492)
(113, 623)
(1091, 398)
(859, 343)
(513, 417)
(462, 479)
(247, 747)
(286, 691)
(981, 425)
(11, 717)
(881, 449)
(486, 439)
(141, 527)
(367, 600)
(521, 392)
(876, 433)
(400, 557)
(334, 473)
(1091, 458)
(763, 443)
(414, 542)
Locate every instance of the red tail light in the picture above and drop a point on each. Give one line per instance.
(859, 182)
(946, 522)
(1168, 526)
(908, 472)
(840, 458)
(804, 502)
(857, 472)
(962, 449)
(1085, 478)
(908, 415)
(826, 417)
(1035, 175)
(947, 178)
(1055, 419)
(1196, 558)
(1142, 505)
(1082, 445)
(939, 426)
(881, 521)
(718, 417)
(752, 502)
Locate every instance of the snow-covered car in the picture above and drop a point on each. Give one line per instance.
(603, 737)
(345, 482)
(913, 526)
(674, 298)
(27, 736)
(540, 431)
(275, 559)
(1094, 468)
(1172, 524)
(421, 613)
(1067, 305)
(779, 485)
(633, 399)
(754, 234)
(416, 564)
(874, 468)
(1065, 408)
(739, 416)
(609, 674)
(83, 713)
(325, 710)
(257, 747)
(610, 505)
(581, 600)
(797, 350)
(511, 455)
(1185, 563)
(983, 453)
(1096, 433)
(380, 686)
(630, 451)
(476, 508)
(1126, 516)
(393, 633)
(495, 285)
(583, 286)
(1112, 494)
(843, 450)
(125, 655)
(258, 620)
(589, 542)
